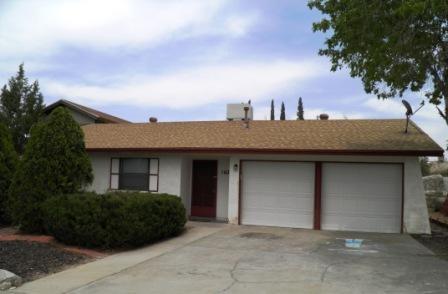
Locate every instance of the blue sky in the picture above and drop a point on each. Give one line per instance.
(185, 59)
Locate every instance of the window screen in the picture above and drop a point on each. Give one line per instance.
(141, 174)
(134, 174)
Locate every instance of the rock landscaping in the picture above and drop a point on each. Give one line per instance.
(31, 260)
(27, 257)
(436, 190)
(9, 280)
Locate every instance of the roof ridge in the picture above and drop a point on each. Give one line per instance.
(266, 120)
(96, 114)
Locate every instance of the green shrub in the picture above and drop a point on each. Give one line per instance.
(8, 164)
(113, 220)
(55, 162)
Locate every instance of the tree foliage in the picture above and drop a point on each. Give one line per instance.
(55, 162)
(21, 106)
(282, 112)
(424, 166)
(272, 110)
(393, 46)
(300, 112)
(8, 164)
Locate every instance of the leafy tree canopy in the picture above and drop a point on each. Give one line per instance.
(55, 162)
(393, 46)
(21, 106)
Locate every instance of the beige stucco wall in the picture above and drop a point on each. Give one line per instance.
(170, 168)
(175, 178)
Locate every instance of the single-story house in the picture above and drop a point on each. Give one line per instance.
(84, 115)
(355, 175)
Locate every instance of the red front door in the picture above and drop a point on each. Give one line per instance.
(203, 200)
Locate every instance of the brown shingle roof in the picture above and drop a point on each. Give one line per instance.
(97, 115)
(309, 136)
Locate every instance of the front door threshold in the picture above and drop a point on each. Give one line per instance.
(208, 219)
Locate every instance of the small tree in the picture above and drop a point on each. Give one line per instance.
(8, 164)
(55, 162)
(21, 106)
(282, 112)
(272, 110)
(394, 46)
(300, 112)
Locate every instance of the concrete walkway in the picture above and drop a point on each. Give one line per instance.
(85, 274)
(213, 258)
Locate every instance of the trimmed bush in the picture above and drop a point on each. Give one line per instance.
(8, 164)
(55, 162)
(113, 220)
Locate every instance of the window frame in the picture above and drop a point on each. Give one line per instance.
(148, 174)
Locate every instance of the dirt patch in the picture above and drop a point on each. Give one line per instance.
(31, 260)
(437, 242)
(257, 235)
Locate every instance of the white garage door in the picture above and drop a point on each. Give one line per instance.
(361, 197)
(277, 194)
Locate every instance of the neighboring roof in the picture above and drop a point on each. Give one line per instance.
(93, 113)
(310, 136)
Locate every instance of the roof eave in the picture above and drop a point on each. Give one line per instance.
(68, 104)
(277, 151)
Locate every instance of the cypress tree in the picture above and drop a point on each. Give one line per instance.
(272, 110)
(8, 164)
(300, 112)
(282, 112)
(55, 162)
(21, 106)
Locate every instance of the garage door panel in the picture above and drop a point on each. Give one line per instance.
(370, 207)
(365, 190)
(301, 203)
(361, 197)
(278, 194)
(280, 188)
(362, 224)
(278, 218)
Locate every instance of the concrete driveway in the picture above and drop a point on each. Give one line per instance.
(249, 259)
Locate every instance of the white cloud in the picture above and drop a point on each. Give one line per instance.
(42, 27)
(194, 86)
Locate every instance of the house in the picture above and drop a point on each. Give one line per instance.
(84, 115)
(355, 175)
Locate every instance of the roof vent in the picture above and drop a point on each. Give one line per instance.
(324, 116)
(153, 119)
(236, 111)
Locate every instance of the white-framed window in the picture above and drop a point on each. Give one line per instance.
(130, 173)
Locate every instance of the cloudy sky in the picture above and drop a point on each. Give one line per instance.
(185, 59)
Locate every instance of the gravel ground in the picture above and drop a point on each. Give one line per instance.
(31, 260)
(437, 242)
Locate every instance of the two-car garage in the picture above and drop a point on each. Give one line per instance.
(343, 196)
